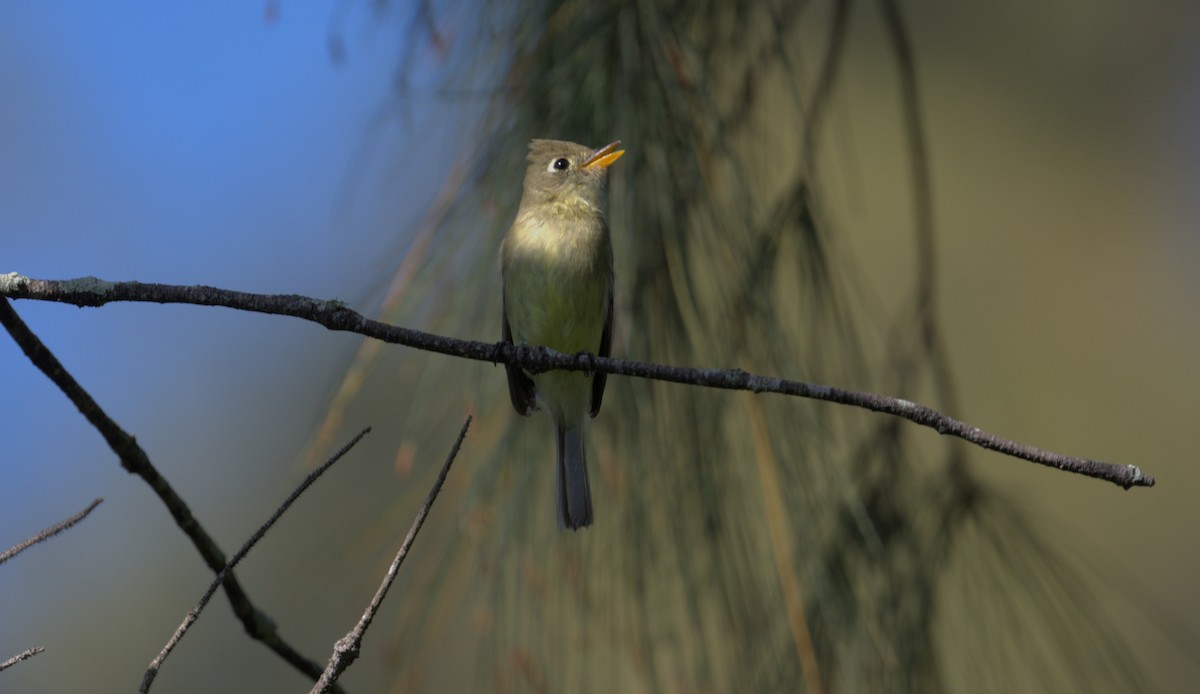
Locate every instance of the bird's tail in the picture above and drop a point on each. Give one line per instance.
(574, 492)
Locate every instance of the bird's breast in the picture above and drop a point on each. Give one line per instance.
(557, 281)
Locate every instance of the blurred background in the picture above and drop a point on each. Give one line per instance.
(769, 214)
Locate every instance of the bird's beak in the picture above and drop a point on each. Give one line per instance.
(603, 157)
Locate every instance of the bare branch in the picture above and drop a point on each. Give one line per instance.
(346, 650)
(334, 315)
(194, 613)
(23, 655)
(256, 623)
(48, 533)
(926, 274)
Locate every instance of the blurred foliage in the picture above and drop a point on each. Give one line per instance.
(746, 543)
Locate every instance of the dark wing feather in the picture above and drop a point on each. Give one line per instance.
(600, 379)
(520, 385)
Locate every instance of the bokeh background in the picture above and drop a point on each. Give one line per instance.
(371, 153)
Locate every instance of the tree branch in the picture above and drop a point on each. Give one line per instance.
(334, 315)
(194, 614)
(48, 532)
(23, 655)
(256, 623)
(345, 651)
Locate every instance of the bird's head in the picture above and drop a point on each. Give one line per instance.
(565, 173)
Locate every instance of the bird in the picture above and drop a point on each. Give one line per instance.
(556, 268)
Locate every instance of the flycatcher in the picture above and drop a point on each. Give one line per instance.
(556, 264)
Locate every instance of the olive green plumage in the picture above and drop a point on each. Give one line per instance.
(556, 264)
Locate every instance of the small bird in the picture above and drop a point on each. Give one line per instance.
(556, 266)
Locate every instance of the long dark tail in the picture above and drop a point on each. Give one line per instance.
(574, 492)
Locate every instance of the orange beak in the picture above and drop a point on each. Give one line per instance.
(604, 157)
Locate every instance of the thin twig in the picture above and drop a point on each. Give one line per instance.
(334, 315)
(922, 196)
(346, 650)
(256, 623)
(23, 655)
(194, 613)
(48, 532)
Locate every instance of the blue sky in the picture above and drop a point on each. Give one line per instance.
(150, 134)
(174, 144)
(185, 143)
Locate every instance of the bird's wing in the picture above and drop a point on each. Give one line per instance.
(600, 379)
(520, 385)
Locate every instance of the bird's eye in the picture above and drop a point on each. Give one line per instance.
(561, 164)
